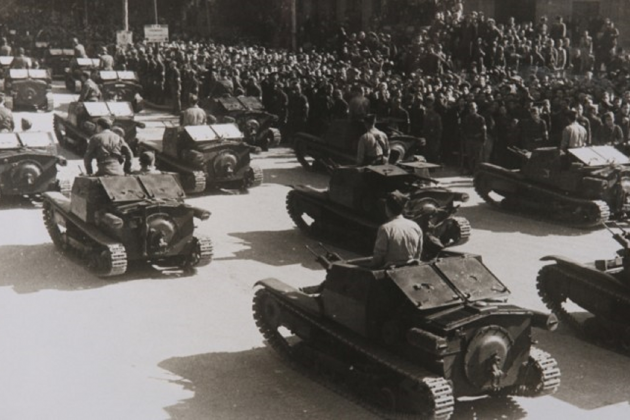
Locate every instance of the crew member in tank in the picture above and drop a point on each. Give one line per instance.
(90, 91)
(7, 122)
(373, 147)
(399, 240)
(110, 151)
(193, 115)
(573, 135)
(147, 164)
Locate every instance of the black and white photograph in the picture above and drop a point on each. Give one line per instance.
(314, 209)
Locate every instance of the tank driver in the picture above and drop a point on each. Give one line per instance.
(373, 147)
(398, 241)
(110, 151)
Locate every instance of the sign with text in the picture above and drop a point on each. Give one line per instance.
(156, 33)
(124, 37)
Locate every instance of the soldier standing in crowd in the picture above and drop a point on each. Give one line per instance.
(107, 61)
(193, 115)
(359, 105)
(533, 131)
(5, 48)
(175, 86)
(339, 110)
(373, 146)
(110, 151)
(279, 106)
(432, 131)
(474, 132)
(79, 49)
(573, 135)
(298, 112)
(7, 123)
(399, 116)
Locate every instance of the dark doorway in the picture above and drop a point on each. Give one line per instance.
(521, 10)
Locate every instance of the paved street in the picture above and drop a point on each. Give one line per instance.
(153, 345)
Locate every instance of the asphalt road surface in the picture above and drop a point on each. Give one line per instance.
(153, 345)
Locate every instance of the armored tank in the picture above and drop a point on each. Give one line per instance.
(111, 220)
(583, 187)
(58, 61)
(30, 88)
(75, 129)
(601, 288)
(409, 339)
(121, 86)
(77, 66)
(354, 205)
(206, 157)
(249, 114)
(339, 144)
(28, 164)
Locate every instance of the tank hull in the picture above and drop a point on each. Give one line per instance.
(335, 221)
(510, 190)
(404, 360)
(604, 293)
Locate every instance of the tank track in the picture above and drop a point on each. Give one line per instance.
(545, 378)
(199, 182)
(256, 178)
(618, 336)
(206, 251)
(599, 210)
(300, 154)
(293, 208)
(105, 261)
(464, 229)
(437, 390)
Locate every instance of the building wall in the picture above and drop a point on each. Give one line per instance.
(617, 10)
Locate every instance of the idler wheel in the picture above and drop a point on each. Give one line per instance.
(485, 357)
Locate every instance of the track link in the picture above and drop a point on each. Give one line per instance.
(545, 378)
(103, 260)
(205, 250)
(437, 391)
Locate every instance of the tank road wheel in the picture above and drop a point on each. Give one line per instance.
(589, 215)
(273, 137)
(306, 161)
(542, 376)
(254, 177)
(108, 261)
(57, 233)
(301, 219)
(200, 255)
(268, 314)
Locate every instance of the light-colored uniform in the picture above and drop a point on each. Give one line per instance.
(398, 241)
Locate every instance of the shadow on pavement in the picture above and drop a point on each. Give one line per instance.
(295, 176)
(278, 248)
(42, 267)
(255, 384)
(485, 217)
(589, 379)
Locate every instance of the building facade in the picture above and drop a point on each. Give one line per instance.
(578, 14)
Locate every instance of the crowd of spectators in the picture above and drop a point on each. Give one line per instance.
(526, 80)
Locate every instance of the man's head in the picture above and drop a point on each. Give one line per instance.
(369, 120)
(147, 158)
(120, 131)
(103, 124)
(26, 124)
(395, 203)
